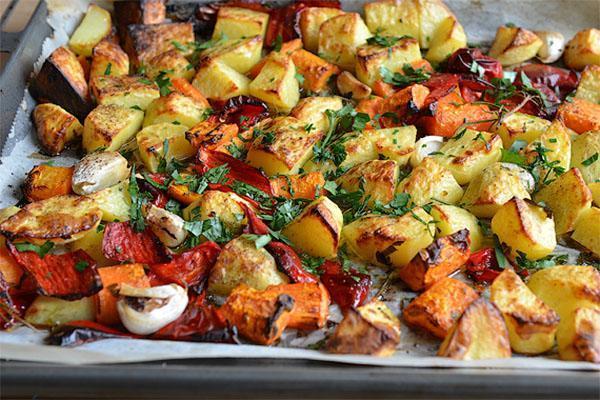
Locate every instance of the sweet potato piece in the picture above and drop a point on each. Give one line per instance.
(301, 186)
(402, 102)
(144, 12)
(286, 48)
(213, 135)
(311, 304)
(315, 70)
(380, 88)
(143, 42)
(106, 303)
(438, 260)
(182, 193)
(579, 115)
(259, 316)
(45, 181)
(10, 270)
(371, 106)
(182, 86)
(437, 309)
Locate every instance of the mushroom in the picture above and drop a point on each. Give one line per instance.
(98, 171)
(168, 227)
(553, 46)
(146, 310)
(525, 176)
(424, 147)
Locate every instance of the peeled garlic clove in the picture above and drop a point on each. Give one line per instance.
(98, 171)
(168, 227)
(146, 310)
(525, 176)
(553, 46)
(424, 147)
(348, 84)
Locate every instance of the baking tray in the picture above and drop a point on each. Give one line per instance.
(231, 378)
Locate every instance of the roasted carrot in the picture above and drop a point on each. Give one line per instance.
(10, 270)
(579, 115)
(314, 69)
(213, 135)
(287, 48)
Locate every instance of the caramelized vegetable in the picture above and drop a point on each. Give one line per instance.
(45, 181)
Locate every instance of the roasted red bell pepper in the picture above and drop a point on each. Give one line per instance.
(244, 111)
(122, 243)
(347, 288)
(482, 266)
(76, 333)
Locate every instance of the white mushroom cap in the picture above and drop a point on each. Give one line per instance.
(424, 147)
(553, 46)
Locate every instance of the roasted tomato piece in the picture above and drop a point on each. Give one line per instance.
(244, 111)
(346, 288)
(462, 62)
(122, 243)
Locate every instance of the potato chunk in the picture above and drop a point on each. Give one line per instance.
(587, 230)
(441, 258)
(217, 81)
(589, 84)
(174, 108)
(282, 145)
(216, 204)
(96, 24)
(377, 178)
(430, 181)
(432, 14)
(108, 59)
(124, 91)
(387, 240)
(449, 37)
(311, 19)
(437, 309)
(59, 219)
(51, 311)
(568, 197)
(555, 145)
(151, 140)
(396, 144)
(108, 127)
(55, 127)
(518, 126)
(585, 153)
(514, 45)
(580, 341)
(468, 155)
(370, 329)
(311, 110)
(238, 23)
(91, 243)
(531, 323)
(240, 262)
(340, 36)
(583, 49)
(321, 219)
(276, 84)
(144, 42)
(470, 338)
(172, 64)
(114, 202)
(450, 219)
(45, 181)
(371, 58)
(239, 54)
(496, 185)
(393, 18)
(526, 228)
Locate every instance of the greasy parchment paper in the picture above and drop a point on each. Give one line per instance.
(20, 153)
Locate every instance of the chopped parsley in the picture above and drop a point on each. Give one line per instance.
(385, 41)
(408, 77)
(81, 265)
(260, 241)
(164, 82)
(108, 68)
(40, 250)
(548, 261)
(589, 161)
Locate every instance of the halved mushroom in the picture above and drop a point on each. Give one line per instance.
(553, 46)
(168, 227)
(146, 310)
(425, 146)
(98, 171)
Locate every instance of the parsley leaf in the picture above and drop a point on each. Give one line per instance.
(385, 41)
(108, 68)
(138, 200)
(409, 76)
(164, 82)
(81, 265)
(548, 261)
(260, 241)
(278, 43)
(40, 250)
(589, 161)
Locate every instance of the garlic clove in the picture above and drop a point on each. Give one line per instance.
(168, 227)
(98, 171)
(424, 147)
(348, 84)
(553, 46)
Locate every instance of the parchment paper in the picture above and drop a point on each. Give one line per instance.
(480, 19)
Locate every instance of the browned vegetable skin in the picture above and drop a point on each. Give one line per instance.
(438, 260)
(62, 81)
(143, 42)
(55, 127)
(311, 304)
(145, 12)
(45, 181)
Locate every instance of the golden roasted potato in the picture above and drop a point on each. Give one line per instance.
(339, 38)
(437, 309)
(555, 146)
(45, 181)
(370, 329)
(583, 49)
(450, 219)
(172, 64)
(431, 181)
(390, 240)
(51, 311)
(396, 144)
(479, 334)
(359, 148)
(433, 263)
(311, 19)
(239, 23)
(349, 86)
(91, 243)
(223, 205)
(174, 108)
(151, 140)
(59, 219)
(240, 262)
(449, 37)
(585, 155)
(519, 126)
(514, 45)
(432, 14)
(108, 59)
(282, 145)
(311, 111)
(125, 91)
(96, 24)
(276, 84)
(114, 202)
(393, 17)
(580, 340)
(239, 54)
(108, 127)
(217, 81)
(55, 127)
(568, 197)
(524, 227)
(144, 42)
(589, 84)
(531, 323)
(595, 189)
(371, 58)
(467, 155)
(497, 184)
(320, 219)
(377, 178)
(587, 230)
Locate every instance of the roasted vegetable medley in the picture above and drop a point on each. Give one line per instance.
(245, 168)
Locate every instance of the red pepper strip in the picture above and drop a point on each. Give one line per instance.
(346, 288)
(122, 243)
(239, 170)
(250, 108)
(482, 266)
(255, 225)
(159, 197)
(76, 333)
(69, 276)
(189, 268)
